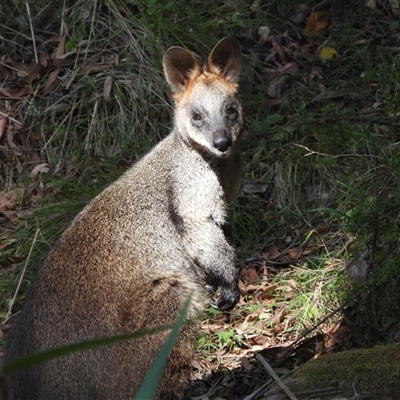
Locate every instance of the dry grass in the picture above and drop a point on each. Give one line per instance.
(108, 99)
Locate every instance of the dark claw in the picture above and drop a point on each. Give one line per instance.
(228, 299)
(211, 289)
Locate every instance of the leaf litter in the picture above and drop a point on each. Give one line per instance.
(264, 320)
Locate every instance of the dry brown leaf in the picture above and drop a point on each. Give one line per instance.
(260, 342)
(55, 38)
(292, 283)
(15, 93)
(7, 203)
(269, 103)
(335, 335)
(62, 62)
(10, 140)
(252, 288)
(263, 32)
(5, 92)
(7, 200)
(21, 69)
(278, 328)
(317, 21)
(92, 65)
(95, 58)
(395, 5)
(3, 125)
(33, 76)
(271, 252)
(330, 94)
(60, 47)
(91, 68)
(10, 214)
(278, 48)
(279, 315)
(293, 254)
(242, 287)
(267, 292)
(303, 7)
(51, 83)
(43, 58)
(310, 347)
(275, 86)
(279, 77)
(4, 243)
(40, 169)
(276, 353)
(108, 82)
(249, 275)
(246, 363)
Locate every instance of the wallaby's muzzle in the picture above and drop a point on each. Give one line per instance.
(222, 141)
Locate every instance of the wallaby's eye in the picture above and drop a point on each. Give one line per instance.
(232, 111)
(196, 116)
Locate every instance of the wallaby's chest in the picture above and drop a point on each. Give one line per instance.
(197, 189)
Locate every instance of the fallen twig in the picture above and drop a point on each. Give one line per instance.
(21, 277)
(275, 376)
(258, 391)
(28, 9)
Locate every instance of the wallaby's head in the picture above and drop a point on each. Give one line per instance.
(208, 112)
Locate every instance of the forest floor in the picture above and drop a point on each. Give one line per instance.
(316, 220)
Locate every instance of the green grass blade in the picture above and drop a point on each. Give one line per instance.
(46, 355)
(149, 386)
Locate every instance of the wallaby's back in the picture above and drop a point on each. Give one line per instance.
(135, 253)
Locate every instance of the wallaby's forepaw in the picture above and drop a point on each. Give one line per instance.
(228, 298)
(211, 289)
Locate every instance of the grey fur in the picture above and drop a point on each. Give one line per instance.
(133, 255)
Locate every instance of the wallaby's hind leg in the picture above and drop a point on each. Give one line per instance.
(161, 304)
(117, 371)
(177, 372)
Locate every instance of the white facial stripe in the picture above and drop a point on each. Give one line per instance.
(210, 100)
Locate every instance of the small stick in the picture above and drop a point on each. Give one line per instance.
(91, 29)
(258, 391)
(275, 376)
(10, 118)
(22, 275)
(28, 9)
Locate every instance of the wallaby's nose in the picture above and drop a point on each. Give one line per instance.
(222, 141)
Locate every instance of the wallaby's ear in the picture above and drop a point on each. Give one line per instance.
(226, 59)
(180, 66)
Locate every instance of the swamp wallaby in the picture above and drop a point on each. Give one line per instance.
(131, 258)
